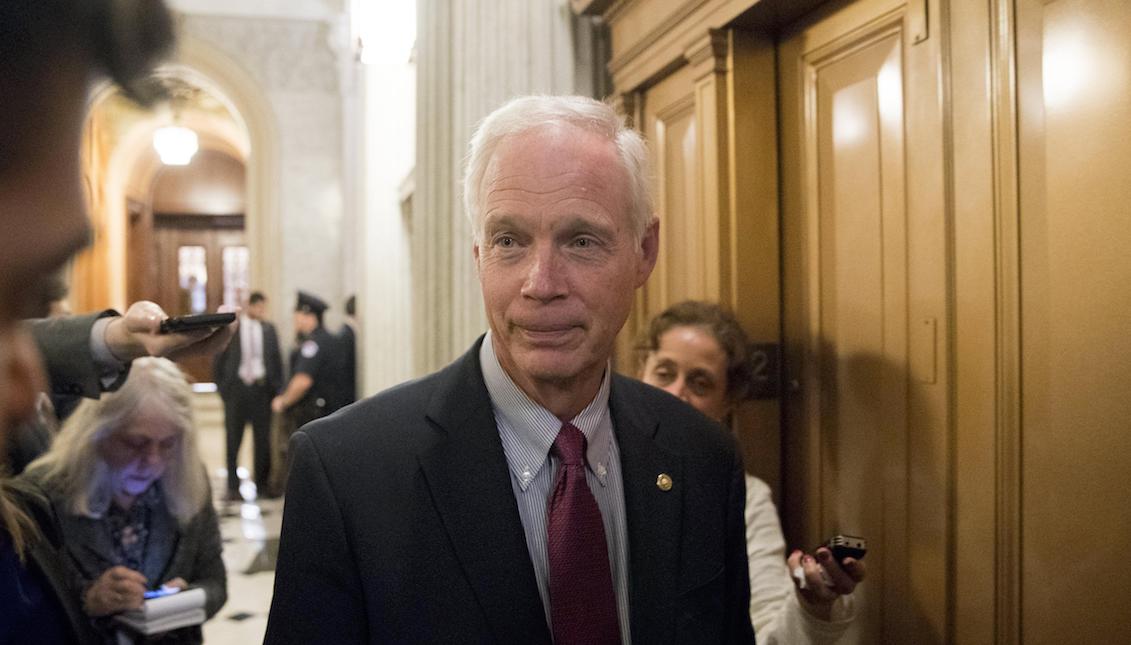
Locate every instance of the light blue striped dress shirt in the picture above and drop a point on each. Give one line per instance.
(527, 431)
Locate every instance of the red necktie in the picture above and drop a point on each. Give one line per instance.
(583, 607)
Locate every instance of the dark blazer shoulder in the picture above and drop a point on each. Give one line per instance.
(396, 421)
(680, 426)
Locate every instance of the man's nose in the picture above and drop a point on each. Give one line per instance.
(544, 278)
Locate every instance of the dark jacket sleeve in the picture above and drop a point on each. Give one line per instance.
(221, 368)
(46, 550)
(273, 358)
(208, 570)
(65, 346)
(318, 594)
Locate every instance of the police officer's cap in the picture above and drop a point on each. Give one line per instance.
(310, 303)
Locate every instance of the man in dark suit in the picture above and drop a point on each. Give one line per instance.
(248, 374)
(525, 493)
(347, 355)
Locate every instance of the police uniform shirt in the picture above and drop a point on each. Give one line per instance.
(315, 358)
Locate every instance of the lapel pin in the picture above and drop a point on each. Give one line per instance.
(664, 482)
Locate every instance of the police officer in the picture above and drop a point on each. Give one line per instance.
(309, 394)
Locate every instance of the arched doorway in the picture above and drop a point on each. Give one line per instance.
(166, 229)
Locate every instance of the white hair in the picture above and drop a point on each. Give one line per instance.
(528, 112)
(75, 465)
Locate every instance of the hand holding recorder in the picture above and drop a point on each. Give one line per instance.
(833, 571)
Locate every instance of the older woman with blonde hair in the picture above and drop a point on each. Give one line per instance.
(131, 498)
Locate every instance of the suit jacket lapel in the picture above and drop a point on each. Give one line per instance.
(654, 516)
(468, 476)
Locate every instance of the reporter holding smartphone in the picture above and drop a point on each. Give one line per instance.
(698, 352)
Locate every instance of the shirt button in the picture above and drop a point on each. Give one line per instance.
(527, 476)
(601, 470)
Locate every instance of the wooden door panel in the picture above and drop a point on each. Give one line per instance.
(670, 126)
(168, 239)
(853, 447)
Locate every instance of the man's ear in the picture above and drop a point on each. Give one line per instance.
(22, 377)
(475, 254)
(649, 251)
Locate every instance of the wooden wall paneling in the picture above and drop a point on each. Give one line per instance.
(750, 278)
(709, 60)
(668, 121)
(648, 35)
(1073, 105)
(865, 278)
(986, 323)
(625, 358)
(930, 446)
(90, 285)
(141, 276)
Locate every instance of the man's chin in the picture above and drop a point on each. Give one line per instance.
(545, 363)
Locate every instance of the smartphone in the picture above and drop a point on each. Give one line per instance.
(196, 321)
(163, 591)
(847, 546)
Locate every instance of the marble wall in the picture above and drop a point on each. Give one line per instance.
(296, 70)
(474, 55)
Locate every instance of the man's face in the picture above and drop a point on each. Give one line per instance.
(557, 260)
(305, 322)
(42, 224)
(256, 310)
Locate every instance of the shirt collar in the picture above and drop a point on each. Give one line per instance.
(535, 427)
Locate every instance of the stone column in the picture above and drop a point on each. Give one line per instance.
(473, 55)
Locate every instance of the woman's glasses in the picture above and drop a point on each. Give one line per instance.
(141, 446)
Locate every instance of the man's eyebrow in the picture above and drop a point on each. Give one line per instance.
(499, 220)
(576, 223)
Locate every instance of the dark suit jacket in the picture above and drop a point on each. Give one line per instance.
(347, 355)
(65, 345)
(401, 525)
(226, 365)
(71, 370)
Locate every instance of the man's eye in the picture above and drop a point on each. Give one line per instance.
(505, 241)
(584, 243)
(663, 375)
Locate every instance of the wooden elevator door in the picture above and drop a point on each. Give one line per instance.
(864, 297)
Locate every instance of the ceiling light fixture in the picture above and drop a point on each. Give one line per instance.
(175, 144)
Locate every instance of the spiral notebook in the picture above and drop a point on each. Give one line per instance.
(166, 613)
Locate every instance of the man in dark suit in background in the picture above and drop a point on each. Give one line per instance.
(248, 374)
(525, 493)
(347, 354)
